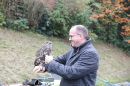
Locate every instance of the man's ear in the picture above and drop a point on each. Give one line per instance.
(81, 36)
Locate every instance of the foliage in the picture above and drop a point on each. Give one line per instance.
(58, 16)
(115, 20)
(2, 21)
(110, 23)
(1, 6)
(16, 13)
(38, 18)
(67, 13)
(2, 17)
(20, 9)
(106, 32)
(20, 24)
(92, 35)
(15, 9)
(9, 23)
(125, 45)
(44, 26)
(37, 9)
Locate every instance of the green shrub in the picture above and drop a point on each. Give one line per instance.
(106, 32)
(36, 11)
(44, 26)
(123, 44)
(2, 21)
(59, 16)
(20, 24)
(9, 23)
(92, 35)
(16, 14)
(14, 9)
(66, 14)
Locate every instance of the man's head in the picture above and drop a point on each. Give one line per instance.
(78, 35)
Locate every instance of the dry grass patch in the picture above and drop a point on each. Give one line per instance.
(114, 65)
(17, 53)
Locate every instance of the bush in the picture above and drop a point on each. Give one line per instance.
(66, 14)
(20, 24)
(92, 35)
(36, 11)
(9, 23)
(59, 16)
(125, 45)
(2, 21)
(14, 9)
(106, 32)
(113, 25)
(2, 16)
(44, 26)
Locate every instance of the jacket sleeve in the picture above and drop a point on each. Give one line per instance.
(62, 59)
(86, 63)
(59, 59)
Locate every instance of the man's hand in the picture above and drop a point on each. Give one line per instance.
(39, 69)
(48, 59)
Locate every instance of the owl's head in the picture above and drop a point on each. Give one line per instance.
(47, 44)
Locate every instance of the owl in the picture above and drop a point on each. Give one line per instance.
(45, 49)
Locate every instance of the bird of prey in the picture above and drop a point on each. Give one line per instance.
(45, 49)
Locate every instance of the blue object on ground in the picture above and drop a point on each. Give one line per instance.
(110, 84)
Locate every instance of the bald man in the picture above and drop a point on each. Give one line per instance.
(77, 67)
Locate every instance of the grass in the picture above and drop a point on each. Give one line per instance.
(17, 54)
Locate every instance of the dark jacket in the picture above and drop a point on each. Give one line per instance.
(77, 67)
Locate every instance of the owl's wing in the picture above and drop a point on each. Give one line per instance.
(40, 52)
(37, 61)
(45, 49)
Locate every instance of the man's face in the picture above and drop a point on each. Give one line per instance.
(74, 37)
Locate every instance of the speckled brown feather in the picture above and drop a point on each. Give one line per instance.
(45, 49)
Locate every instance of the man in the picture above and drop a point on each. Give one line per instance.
(77, 67)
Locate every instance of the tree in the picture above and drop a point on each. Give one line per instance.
(116, 12)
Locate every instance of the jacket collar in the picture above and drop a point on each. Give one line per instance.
(76, 49)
